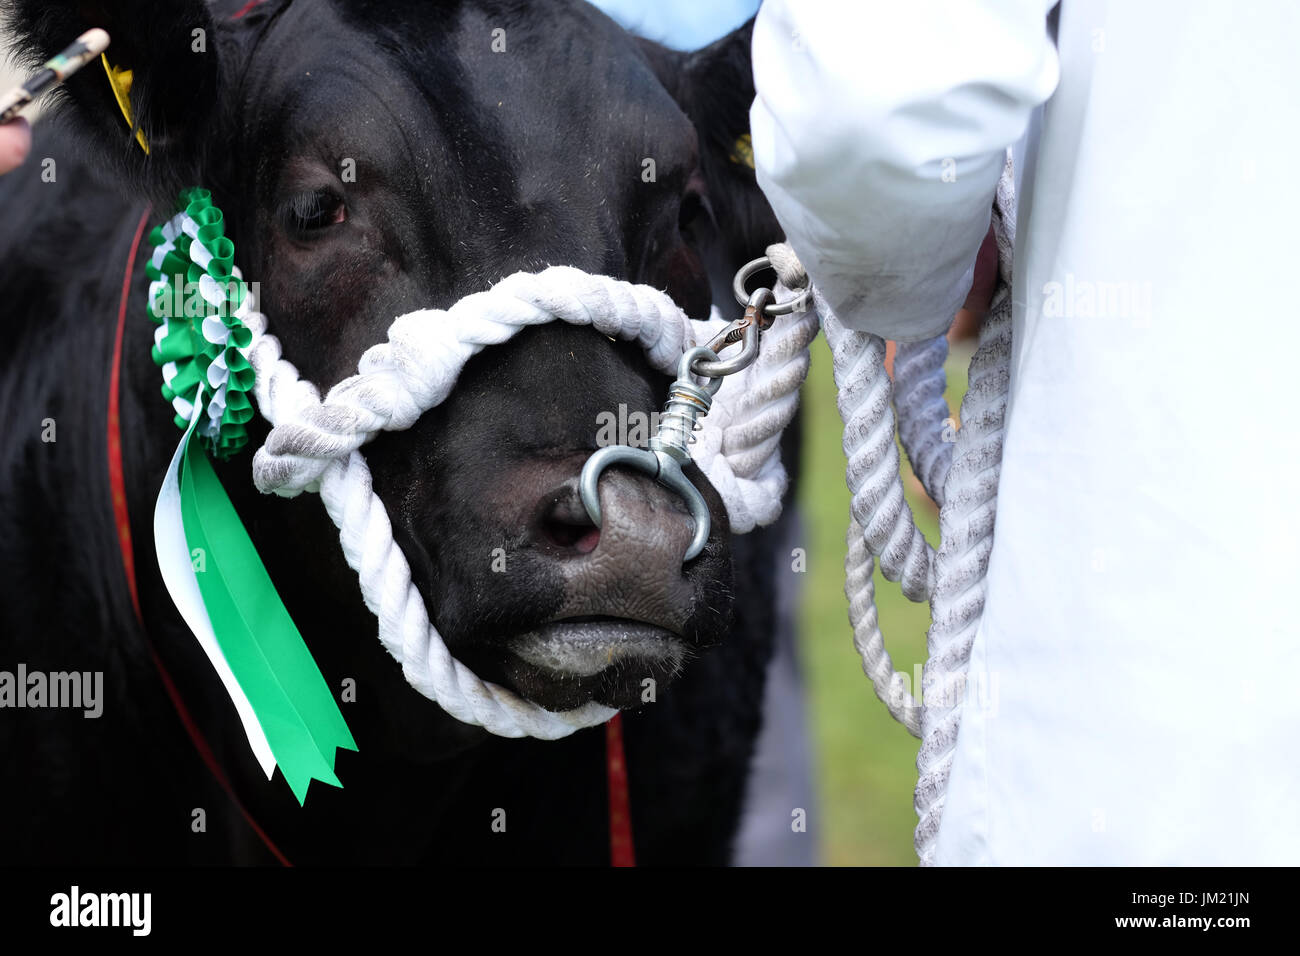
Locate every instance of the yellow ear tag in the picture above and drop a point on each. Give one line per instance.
(742, 153)
(120, 81)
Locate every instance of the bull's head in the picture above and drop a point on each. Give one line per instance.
(377, 157)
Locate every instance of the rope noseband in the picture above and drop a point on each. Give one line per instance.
(315, 446)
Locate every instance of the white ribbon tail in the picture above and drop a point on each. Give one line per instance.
(177, 566)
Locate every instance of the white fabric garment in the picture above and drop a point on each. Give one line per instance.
(1141, 629)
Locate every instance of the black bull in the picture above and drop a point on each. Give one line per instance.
(482, 138)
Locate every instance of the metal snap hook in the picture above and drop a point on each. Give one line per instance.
(689, 402)
(746, 330)
(668, 451)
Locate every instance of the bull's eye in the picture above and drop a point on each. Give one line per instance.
(308, 213)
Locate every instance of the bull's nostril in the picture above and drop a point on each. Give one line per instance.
(580, 536)
(561, 521)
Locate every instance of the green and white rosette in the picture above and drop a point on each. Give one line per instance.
(210, 566)
(198, 297)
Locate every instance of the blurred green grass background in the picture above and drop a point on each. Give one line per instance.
(864, 762)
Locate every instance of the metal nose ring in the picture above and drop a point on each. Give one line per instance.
(668, 450)
(658, 466)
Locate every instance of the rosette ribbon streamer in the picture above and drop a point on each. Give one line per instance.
(209, 564)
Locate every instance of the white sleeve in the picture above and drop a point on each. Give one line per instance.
(880, 130)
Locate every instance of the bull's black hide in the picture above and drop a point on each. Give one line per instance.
(471, 164)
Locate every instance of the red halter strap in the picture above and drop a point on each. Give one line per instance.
(621, 851)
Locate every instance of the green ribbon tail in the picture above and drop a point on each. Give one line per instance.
(266, 653)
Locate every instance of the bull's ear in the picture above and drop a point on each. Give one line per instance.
(714, 86)
(169, 49)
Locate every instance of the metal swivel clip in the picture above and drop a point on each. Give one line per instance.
(688, 402)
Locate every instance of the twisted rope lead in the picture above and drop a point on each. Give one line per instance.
(919, 384)
(880, 522)
(873, 472)
(966, 523)
(963, 480)
(315, 446)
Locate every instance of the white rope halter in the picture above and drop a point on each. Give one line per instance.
(962, 480)
(315, 446)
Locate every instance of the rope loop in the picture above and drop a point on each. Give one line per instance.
(315, 445)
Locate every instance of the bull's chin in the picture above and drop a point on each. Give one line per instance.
(565, 664)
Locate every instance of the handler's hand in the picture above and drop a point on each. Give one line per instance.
(985, 282)
(15, 143)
